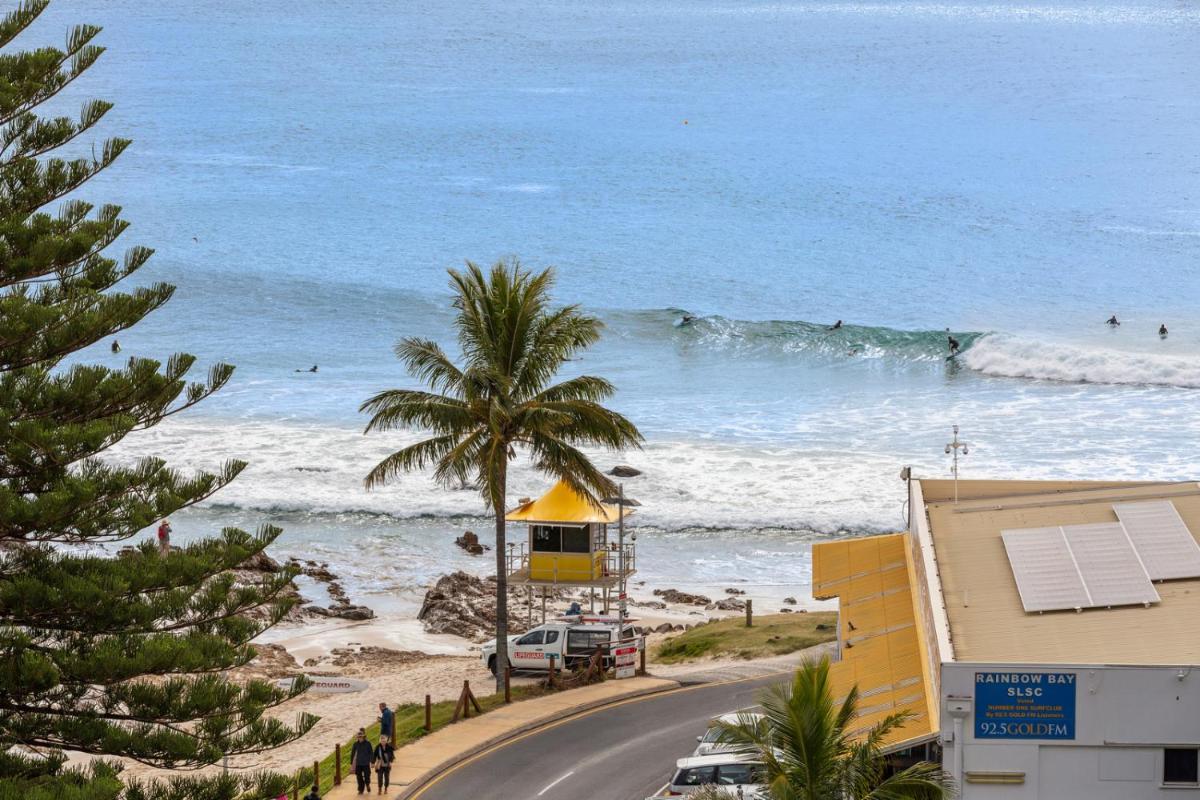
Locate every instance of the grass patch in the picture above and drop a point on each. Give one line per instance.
(410, 726)
(772, 635)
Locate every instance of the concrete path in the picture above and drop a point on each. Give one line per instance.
(445, 747)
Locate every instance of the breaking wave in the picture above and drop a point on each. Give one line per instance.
(819, 339)
(997, 355)
(1016, 357)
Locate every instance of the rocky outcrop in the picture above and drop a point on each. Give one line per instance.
(465, 605)
(270, 661)
(470, 542)
(791, 601)
(727, 604)
(342, 611)
(734, 591)
(341, 608)
(676, 596)
(260, 562)
(624, 471)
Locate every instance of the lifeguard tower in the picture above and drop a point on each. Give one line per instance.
(568, 546)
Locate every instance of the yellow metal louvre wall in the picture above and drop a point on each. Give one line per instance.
(566, 567)
(883, 649)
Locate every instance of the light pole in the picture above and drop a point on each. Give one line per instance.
(621, 502)
(954, 447)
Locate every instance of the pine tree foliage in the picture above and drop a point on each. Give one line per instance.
(102, 655)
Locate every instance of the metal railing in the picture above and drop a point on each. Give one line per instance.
(518, 559)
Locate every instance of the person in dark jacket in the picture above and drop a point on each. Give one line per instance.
(315, 794)
(384, 755)
(387, 722)
(361, 756)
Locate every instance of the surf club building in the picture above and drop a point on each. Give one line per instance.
(1044, 637)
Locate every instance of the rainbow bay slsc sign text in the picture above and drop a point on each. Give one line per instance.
(1025, 705)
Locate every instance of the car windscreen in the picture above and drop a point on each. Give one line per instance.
(696, 776)
(711, 735)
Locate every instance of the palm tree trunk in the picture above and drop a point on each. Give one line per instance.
(501, 582)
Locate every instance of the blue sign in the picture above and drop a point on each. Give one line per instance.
(1024, 705)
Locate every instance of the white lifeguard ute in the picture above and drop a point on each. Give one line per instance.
(571, 639)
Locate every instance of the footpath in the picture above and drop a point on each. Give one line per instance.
(447, 746)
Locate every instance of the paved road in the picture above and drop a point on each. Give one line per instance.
(624, 752)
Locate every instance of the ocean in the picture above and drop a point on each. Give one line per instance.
(1012, 173)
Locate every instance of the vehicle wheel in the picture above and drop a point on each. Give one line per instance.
(492, 665)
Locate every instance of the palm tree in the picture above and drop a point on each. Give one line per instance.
(808, 753)
(513, 344)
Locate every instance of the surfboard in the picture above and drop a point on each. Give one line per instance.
(327, 684)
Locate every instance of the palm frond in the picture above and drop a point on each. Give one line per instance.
(414, 457)
(428, 363)
(408, 408)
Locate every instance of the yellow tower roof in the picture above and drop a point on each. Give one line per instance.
(564, 504)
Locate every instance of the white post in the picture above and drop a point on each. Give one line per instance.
(621, 557)
(958, 750)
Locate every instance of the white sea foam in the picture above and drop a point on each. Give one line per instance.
(320, 469)
(1016, 357)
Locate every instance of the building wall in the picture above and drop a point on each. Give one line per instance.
(1123, 718)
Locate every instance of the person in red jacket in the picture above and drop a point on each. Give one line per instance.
(164, 538)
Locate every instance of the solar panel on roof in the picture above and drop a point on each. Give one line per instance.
(1045, 571)
(1112, 570)
(1076, 566)
(1162, 539)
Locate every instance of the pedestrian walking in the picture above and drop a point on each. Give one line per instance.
(361, 756)
(387, 722)
(384, 755)
(164, 538)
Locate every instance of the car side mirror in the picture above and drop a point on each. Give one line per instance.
(699, 738)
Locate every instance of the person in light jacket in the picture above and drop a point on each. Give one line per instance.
(361, 756)
(384, 755)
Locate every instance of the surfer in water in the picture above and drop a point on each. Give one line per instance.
(1162, 331)
(954, 345)
(687, 320)
(836, 326)
(313, 368)
(1113, 321)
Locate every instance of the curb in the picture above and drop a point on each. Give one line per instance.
(421, 781)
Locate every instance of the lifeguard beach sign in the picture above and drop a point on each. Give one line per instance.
(1025, 705)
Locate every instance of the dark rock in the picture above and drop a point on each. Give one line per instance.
(785, 611)
(260, 562)
(342, 612)
(791, 601)
(624, 471)
(734, 591)
(821, 626)
(727, 604)
(666, 627)
(678, 627)
(676, 596)
(465, 605)
(470, 542)
(650, 604)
